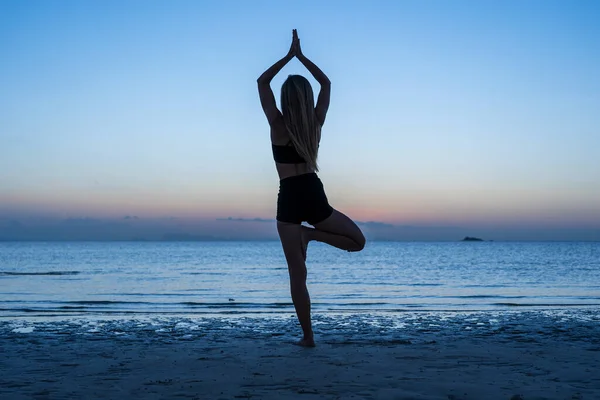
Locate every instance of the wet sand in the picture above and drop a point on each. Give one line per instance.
(460, 359)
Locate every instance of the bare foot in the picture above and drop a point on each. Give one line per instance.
(305, 342)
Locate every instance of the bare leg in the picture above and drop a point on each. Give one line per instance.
(337, 230)
(291, 240)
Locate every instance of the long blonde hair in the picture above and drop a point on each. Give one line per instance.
(298, 109)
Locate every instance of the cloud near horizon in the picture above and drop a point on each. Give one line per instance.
(246, 219)
(186, 229)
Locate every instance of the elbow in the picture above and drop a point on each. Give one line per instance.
(325, 82)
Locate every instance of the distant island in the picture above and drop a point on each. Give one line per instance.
(471, 239)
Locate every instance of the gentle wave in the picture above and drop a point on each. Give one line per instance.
(175, 307)
(486, 286)
(424, 284)
(10, 273)
(155, 294)
(61, 313)
(545, 304)
(104, 302)
(280, 310)
(205, 273)
(483, 296)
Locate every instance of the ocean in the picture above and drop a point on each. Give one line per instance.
(193, 279)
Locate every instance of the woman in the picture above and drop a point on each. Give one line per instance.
(295, 136)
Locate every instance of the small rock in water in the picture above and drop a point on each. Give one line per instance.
(231, 299)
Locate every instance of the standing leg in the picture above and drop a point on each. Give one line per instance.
(291, 240)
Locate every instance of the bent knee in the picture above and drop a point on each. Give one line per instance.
(359, 243)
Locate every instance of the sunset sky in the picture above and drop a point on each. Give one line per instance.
(482, 114)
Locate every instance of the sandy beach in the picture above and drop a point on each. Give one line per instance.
(429, 357)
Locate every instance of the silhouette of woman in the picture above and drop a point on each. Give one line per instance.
(295, 136)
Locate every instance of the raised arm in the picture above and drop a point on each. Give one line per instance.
(267, 99)
(325, 92)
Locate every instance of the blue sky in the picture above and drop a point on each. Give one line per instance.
(472, 113)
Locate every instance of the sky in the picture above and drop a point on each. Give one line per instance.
(450, 118)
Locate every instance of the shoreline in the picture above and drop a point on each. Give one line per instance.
(235, 310)
(481, 356)
(369, 324)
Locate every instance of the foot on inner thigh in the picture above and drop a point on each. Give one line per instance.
(305, 235)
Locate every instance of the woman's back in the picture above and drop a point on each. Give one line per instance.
(287, 160)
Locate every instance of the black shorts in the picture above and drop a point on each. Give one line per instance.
(302, 198)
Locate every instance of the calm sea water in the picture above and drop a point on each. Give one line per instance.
(223, 278)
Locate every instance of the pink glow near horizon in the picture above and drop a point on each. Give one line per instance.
(405, 212)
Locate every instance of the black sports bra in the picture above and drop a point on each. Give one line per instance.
(287, 154)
